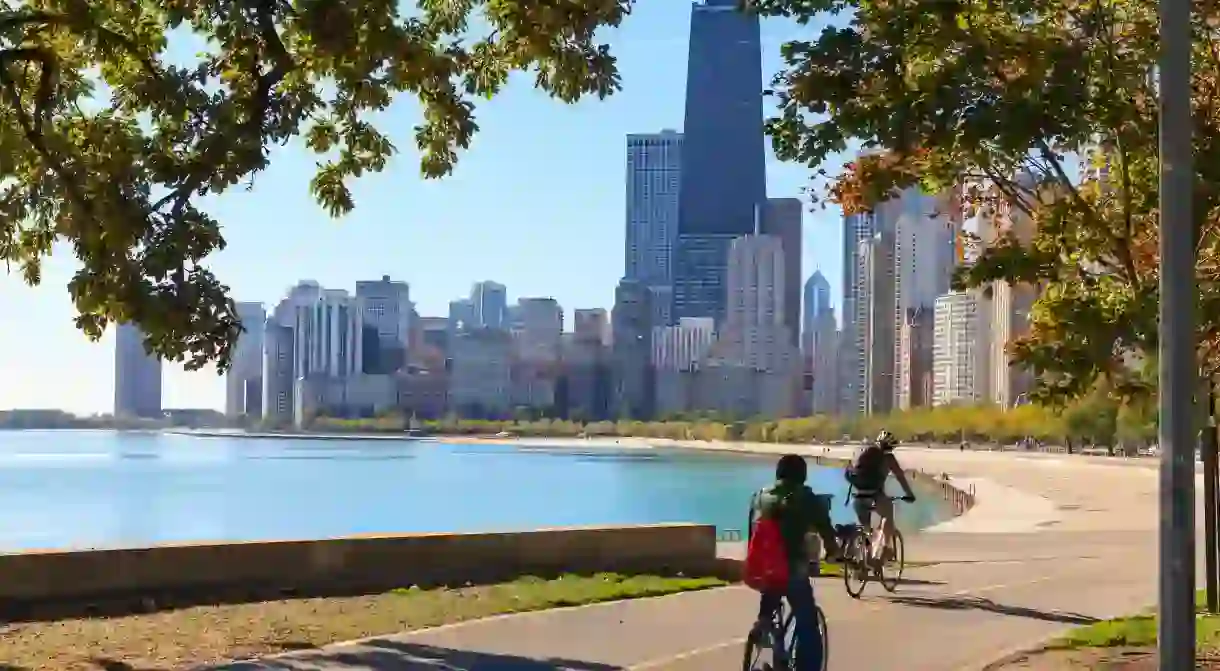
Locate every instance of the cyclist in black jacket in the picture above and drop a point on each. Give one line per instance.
(870, 468)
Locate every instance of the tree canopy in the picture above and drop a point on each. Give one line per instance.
(973, 94)
(107, 143)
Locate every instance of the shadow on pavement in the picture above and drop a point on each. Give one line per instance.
(916, 582)
(390, 655)
(107, 664)
(978, 603)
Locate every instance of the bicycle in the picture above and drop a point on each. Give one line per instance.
(858, 565)
(775, 632)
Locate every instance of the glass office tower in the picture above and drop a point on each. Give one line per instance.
(723, 178)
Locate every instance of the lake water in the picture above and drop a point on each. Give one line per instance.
(82, 489)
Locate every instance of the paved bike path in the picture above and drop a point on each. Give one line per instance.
(1090, 553)
(994, 595)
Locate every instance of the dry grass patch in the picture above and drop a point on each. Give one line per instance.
(177, 639)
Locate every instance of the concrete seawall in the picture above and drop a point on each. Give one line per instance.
(38, 585)
(959, 498)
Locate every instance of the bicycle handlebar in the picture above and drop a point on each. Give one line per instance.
(893, 499)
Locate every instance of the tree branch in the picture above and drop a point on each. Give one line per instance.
(252, 127)
(31, 127)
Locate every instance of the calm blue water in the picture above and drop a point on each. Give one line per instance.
(81, 489)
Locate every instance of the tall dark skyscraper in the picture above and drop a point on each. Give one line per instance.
(723, 176)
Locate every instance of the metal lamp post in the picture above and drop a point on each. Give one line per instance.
(1178, 368)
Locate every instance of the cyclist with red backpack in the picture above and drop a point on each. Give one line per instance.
(777, 556)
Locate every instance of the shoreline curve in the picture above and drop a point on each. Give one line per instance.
(957, 500)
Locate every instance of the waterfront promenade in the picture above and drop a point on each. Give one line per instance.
(1054, 541)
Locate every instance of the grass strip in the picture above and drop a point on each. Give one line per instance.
(180, 638)
(1138, 631)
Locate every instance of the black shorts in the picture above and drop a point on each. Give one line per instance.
(864, 503)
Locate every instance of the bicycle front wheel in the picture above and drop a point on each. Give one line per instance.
(855, 566)
(760, 649)
(893, 562)
(824, 633)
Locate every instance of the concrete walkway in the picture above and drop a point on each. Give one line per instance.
(1063, 541)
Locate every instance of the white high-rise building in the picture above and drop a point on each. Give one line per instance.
(1009, 305)
(137, 376)
(312, 333)
(754, 311)
(824, 395)
(243, 382)
(857, 228)
(914, 351)
(541, 327)
(490, 305)
(591, 325)
(876, 335)
(280, 370)
(682, 346)
(480, 381)
(959, 348)
(755, 366)
(677, 353)
(925, 235)
(654, 164)
(328, 334)
(820, 345)
(897, 260)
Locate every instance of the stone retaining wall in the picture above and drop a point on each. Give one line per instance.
(78, 582)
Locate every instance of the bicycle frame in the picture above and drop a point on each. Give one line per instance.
(858, 559)
(872, 510)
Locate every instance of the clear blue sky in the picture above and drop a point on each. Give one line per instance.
(537, 204)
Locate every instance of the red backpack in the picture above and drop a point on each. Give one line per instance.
(766, 568)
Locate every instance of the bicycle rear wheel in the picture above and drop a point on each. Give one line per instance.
(856, 571)
(891, 569)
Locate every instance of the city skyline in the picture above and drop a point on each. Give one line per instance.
(486, 221)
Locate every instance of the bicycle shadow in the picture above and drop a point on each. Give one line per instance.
(391, 655)
(966, 602)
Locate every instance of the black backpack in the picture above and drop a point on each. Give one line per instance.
(867, 469)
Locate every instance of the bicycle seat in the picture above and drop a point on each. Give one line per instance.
(845, 530)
